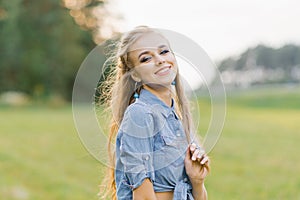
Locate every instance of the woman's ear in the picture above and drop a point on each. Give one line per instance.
(136, 77)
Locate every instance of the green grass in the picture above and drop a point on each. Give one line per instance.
(42, 157)
(256, 157)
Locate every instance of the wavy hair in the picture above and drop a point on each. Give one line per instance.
(118, 89)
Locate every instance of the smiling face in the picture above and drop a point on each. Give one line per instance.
(154, 63)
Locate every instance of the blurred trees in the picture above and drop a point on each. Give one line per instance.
(285, 58)
(41, 47)
(263, 64)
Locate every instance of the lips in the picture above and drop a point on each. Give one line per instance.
(163, 70)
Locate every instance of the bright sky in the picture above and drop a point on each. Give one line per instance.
(221, 27)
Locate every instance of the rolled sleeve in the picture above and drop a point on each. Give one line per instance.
(136, 146)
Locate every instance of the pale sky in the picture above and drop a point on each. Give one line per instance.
(221, 27)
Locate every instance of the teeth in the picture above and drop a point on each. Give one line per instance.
(163, 70)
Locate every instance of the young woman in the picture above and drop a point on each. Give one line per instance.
(155, 156)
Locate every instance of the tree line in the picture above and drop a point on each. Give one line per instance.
(42, 46)
(285, 57)
(263, 64)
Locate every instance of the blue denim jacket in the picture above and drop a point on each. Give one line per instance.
(151, 143)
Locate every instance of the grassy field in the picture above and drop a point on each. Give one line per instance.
(257, 156)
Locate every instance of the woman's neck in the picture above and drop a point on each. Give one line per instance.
(163, 93)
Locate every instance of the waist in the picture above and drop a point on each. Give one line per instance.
(181, 191)
(168, 195)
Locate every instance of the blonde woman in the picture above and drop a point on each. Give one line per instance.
(155, 156)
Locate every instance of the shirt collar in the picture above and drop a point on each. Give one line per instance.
(147, 97)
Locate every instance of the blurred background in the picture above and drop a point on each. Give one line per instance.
(254, 44)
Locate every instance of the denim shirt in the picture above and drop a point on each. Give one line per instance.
(151, 143)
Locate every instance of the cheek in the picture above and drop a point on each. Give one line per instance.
(172, 58)
(175, 66)
(144, 72)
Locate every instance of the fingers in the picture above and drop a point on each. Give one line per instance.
(193, 147)
(198, 154)
(207, 164)
(194, 151)
(204, 160)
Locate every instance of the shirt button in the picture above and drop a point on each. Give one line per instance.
(185, 179)
(146, 157)
(178, 134)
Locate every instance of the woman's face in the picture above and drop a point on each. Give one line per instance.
(154, 63)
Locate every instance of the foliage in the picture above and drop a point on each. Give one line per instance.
(261, 65)
(285, 57)
(41, 47)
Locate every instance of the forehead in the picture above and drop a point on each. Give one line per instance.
(149, 41)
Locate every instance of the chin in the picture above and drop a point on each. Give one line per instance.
(159, 85)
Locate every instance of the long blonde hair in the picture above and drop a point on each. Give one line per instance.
(118, 90)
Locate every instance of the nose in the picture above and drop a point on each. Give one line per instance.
(160, 59)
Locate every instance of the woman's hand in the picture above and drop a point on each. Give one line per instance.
(196, 164)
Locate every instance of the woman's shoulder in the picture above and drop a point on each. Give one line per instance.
(144, 114)
(138, 108)
(139, 113)
(137, 120)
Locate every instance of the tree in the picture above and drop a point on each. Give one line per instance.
(41, 46)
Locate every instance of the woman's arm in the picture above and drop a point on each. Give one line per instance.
(145, 191)
(135, 146)
(197, 168)
(199, 190)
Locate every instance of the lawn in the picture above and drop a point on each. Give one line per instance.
(256, 157)
(42, 157)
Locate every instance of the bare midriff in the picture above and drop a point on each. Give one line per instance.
(164, 195)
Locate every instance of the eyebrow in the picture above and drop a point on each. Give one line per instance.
(142, 53)
(146, 51)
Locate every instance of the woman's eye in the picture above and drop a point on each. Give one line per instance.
(145, 59)
(165, 51)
